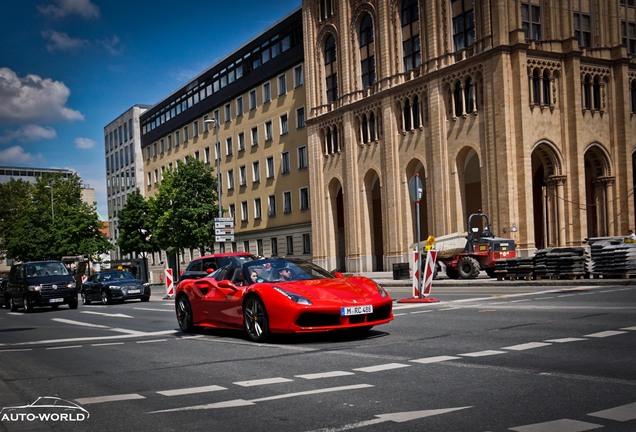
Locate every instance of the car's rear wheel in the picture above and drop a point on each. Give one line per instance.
(86, 300)
(12, 305)
(105, 299)
(184, 314)
(255, 319)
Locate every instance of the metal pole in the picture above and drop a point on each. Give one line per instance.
(217, 148)
(52, 207)
(419, 251)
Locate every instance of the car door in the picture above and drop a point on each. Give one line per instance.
(89, 287)
(223, 300)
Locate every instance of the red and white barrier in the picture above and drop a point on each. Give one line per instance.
(426, 286)
(169, 283)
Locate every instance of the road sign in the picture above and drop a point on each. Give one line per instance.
(224, 219)
(224, 231)
(224, 238)
(223, 224)
(416, 188)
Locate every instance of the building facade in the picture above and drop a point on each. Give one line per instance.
(124, 166)
(521, 109)
(245, 117)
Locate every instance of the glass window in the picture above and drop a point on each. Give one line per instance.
(331, 68)
(285, 165)
(267, 92)
(531, 21)
(304, 199)
(300, 118)
(252, 99)
(282, 85)
(284, 124)
(287, 202)
(299, 79)
(254, 136)
(270, 167)
(302, 158)
(257, 208)
(271, 205)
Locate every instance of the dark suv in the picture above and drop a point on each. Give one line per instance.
(41, 283)
(200, 267)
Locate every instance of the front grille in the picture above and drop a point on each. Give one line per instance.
(380, 313)
(315, 319)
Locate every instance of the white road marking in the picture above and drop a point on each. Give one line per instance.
(565, 340)
(98, 338)
(107, 314)
(191, 390)
(382, 367)
(111, 398)
(399, 417)
(563, 425)
(155, 310)
(242, 402)
(482, 353)
(16, 350)
(152, 341)
(79, 323)
(424, 311)
(437, 359)
(265, 381)
(107, 344)
(526, 346)
(324, 375)
(621, 413)
(629, 328)
(604, 334)
(64, 347)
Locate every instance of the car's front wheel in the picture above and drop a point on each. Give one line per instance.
(255, 319)
(105, 298)
(12, 305)
(86, 300)
(28, 307)
(184, 314)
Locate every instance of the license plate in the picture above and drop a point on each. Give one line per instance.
(56, 300)
(356, 310)
(134, 291)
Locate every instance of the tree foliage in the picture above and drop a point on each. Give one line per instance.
(184, 207)
(135, 226)
(48, 220)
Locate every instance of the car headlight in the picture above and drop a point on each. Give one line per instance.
(294, 297)
(114, 287)
(35, 287)
(70, 285)
(381, 291)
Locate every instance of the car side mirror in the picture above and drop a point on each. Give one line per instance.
(209, 270)
(338, 275)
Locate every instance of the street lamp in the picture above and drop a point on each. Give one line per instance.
(217, 150)
(52, 207)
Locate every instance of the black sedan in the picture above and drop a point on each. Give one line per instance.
(114, 286)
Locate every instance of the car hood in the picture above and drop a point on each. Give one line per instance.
(339, 289)
(124, 282)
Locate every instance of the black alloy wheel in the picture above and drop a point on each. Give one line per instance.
(12, 305)
(105, 299)
(28, 307)
(255, 319)
(184, 314)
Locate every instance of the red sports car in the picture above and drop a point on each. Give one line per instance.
(281, 296)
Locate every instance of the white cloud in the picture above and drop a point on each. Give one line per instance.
(33, 98)
(17, 155)
(62, 42)
(112, 45)
(84, 143)
(28, 133)
(62, 8)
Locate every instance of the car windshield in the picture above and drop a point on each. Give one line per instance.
(45, 269)
(278, 270)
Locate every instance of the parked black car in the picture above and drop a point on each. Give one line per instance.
(109, 286)
(41, 283)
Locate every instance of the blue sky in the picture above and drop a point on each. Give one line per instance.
(70, 67)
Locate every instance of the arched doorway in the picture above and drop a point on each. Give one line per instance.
(374, 208)
(547, 196)
(598, 191)
(469, 171)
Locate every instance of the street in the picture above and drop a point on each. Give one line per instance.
(485, 358)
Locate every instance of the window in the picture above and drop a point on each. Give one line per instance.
(326, 9)
(367, 51)
(239, 106)
(254, 136)
(411, 46)
(331, 69)
(256, 172)
(628, 35)
(270, 167)
(285, 165)
(304, 199)
(242, 175)
(217, 150)
(228, 112)
(176, 139)
(290, 245)
(169, 146)
(156, 172)
(268, 130)
(299, 78)
(185, 134)
(271, 205)
(154, 154)
(257, 208)
(252, 100)
(197, 155)
(306, 244)
(463, 24)
(300, 118)
(230, 179)
(207, 155)
(195, 129)
(267, 92)
(531, 21)
(302, 158)
(241, 141)
(287, 202)
(282, 85)
(244, 214)
(206, 123)
(583, 29)
(162, 146)
(259, 247)
(232, 211)
(284, 125)
(228, 146)
(274, 243)
(149, 179)
(633, 91)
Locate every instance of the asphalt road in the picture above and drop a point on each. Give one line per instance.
(485, 358)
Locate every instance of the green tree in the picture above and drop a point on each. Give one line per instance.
(49, 220)
(135, 227)
(183, 208)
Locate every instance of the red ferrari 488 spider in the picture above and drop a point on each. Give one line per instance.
(281, 296)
